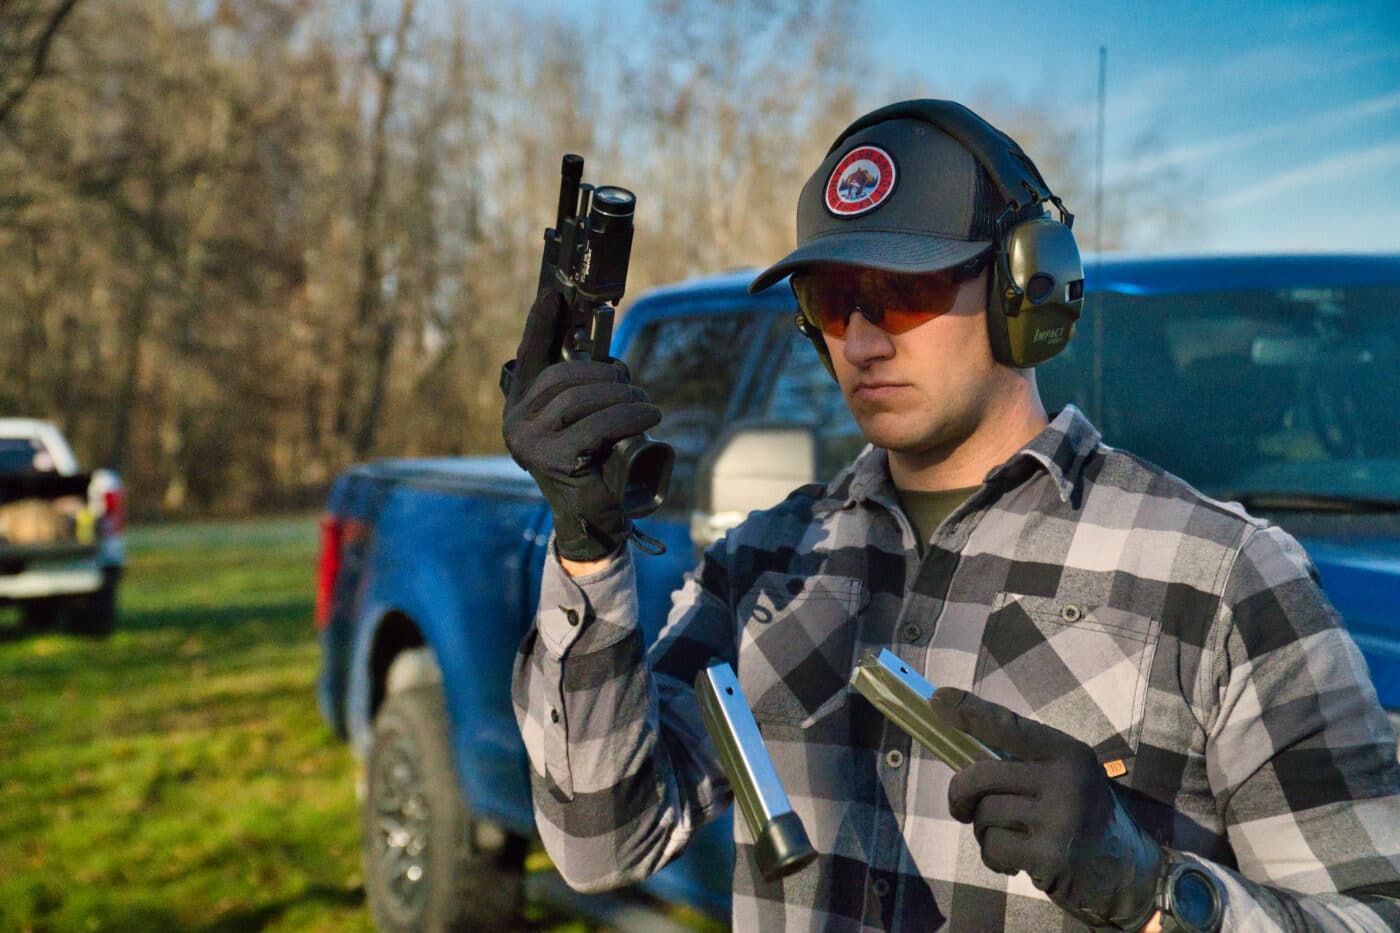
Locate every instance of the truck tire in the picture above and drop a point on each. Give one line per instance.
(38, 615)
(427, 867)
(95, 615)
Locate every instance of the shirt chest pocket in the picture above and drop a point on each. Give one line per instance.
(1083, 669)
(797, 646)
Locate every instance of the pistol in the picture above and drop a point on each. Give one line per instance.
(585, 258)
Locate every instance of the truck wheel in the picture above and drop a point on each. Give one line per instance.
(427, 867)
(95, 615)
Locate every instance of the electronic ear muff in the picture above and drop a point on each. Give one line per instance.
(1036, 288)
(1036, 292)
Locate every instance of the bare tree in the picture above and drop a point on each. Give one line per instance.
(27, 31)
(246, 242)
(371, 335)
(731, 137)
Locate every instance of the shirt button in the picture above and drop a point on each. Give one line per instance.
(1071, 613)
(554, 715)
(894, 758)
(881, 887)
(572, 616)
(912, 632)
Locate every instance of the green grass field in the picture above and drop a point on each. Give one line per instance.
(177, 775)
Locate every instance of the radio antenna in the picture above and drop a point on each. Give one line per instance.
(1098, 174)
(1098, 239)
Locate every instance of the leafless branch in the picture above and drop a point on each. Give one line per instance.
(35, 55)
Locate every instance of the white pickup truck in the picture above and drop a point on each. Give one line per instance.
(61, 545)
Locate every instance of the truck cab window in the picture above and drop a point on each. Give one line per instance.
(1258, 391)
(689, 367)
(20, 455)
(803, 393)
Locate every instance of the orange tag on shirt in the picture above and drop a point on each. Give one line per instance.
(1115, 768)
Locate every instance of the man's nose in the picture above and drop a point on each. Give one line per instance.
(865, 342)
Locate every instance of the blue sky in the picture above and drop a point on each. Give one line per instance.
(1285, 116)
(1288, 114)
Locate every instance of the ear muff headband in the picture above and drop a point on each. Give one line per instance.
(1036, 291)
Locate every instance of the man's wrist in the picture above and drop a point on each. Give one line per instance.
(586, 566)
(582, 568)
(1154, 925)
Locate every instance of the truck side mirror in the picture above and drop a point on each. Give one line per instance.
(752, 465)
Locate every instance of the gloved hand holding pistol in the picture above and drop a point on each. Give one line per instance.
(557, 418)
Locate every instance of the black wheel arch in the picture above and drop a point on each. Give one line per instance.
(397, 633)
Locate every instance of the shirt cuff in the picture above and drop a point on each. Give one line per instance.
(579, 615)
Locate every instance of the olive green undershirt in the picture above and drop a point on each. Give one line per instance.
(926, 510)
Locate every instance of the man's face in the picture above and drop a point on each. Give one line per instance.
(925, 390)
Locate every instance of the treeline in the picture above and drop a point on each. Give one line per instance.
(246, 243)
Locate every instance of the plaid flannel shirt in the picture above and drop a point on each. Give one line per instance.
(1079, 586)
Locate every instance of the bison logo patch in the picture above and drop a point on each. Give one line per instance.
(861, 181)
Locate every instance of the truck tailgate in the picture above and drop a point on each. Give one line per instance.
(54, 569)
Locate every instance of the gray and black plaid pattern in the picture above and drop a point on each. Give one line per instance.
(1186, 641)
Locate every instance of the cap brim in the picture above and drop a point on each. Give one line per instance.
(874, 249)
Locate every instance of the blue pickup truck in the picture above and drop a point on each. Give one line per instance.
(1272, 381)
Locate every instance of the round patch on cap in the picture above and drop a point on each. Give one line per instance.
(861, 181)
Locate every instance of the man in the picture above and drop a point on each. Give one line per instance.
(1190, 739)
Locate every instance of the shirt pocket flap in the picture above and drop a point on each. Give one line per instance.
(1079, 667)
(796, 645)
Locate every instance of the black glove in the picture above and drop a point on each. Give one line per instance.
(1052, 812)
(559, 421)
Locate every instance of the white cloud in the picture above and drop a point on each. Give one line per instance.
(1265, 68)
(1202, 151)
(1373, 107)
(1329, 169)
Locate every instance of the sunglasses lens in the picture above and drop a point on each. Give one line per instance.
(823, 302)
(892, 301)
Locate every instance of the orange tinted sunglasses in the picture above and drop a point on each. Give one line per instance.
(895, 302)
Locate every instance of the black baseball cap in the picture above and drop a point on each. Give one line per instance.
(900, 195)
